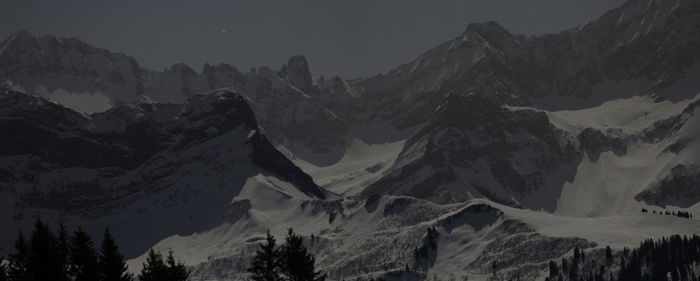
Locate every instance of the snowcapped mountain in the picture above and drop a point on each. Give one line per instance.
(89, 79)
(492, 146)
(382, 236)
(485, 106)
(474, 147)
(655, 41)
(167, 168)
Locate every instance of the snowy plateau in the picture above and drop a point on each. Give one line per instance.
(490, 147)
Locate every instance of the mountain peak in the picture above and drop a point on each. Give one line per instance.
(21, 37)
(489, 27)
(21, 34)
(490, 31)
(297, 72)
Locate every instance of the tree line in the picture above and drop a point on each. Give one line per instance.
(65, 256)
(680, 214)
(665, 259)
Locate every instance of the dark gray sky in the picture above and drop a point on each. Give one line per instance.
(349, 38)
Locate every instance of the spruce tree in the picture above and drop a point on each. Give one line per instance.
(564, 265)
(111, 262)
(44, 259)
(83, 258)
(297, 263)
(265, 265)
(553, 270)
(64, 249)
(157, 269)
(176, 271)
(154, 268)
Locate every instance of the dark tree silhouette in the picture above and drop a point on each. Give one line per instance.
(154, 268)
(265, 265)
(297, 263)
(157, 269)
(44, 255)
(176, 271)
(666, 259)
(83, 258)
(112, 264)
(64, 248)
(553, 270)
(47, 257)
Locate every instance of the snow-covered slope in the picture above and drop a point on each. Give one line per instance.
(361, 165)
(384, 235)
(492, 146)
(653, 144)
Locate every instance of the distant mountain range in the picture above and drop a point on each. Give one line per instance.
(500, 142)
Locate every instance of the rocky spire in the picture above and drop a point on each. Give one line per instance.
(297, 72)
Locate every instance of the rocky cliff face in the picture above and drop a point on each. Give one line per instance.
(680, 188)
(474, 147)
(50, 154)
(90, 80)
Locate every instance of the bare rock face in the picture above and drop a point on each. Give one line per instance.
(680, 188)
(67, 70)
(131, 148)
(47, 64)
(297, 73)
(473, 147)
(642, 40)
(594, 142)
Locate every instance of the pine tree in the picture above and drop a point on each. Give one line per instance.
(83, 258)
(608, 254)
(176, 271)
(266, 263)
(564, 265)
(297, 263)
(64, 248)
(494, 267)
(111, 262)
(573, 271)
(553, 270)
(44, 259)
(17, 268)
(154, 268)
(157, 269)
